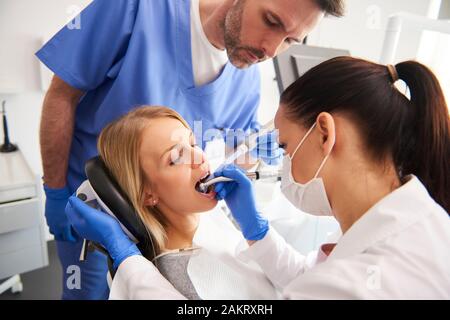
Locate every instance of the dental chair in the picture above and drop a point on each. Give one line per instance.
(101, 191)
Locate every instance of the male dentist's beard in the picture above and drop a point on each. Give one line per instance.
(232, 27)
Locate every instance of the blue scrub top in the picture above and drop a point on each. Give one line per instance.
(129, 53)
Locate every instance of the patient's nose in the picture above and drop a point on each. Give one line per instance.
(198, 158)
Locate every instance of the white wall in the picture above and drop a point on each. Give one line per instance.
(24, 25)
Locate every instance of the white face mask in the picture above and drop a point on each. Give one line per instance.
(310, 197)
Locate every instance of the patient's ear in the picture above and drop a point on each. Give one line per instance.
(147, 199)
(150, 198)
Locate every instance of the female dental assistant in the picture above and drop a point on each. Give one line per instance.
(361, 151)
(189, 55)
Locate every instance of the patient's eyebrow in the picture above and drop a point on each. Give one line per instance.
(169, 149)
(175, 145)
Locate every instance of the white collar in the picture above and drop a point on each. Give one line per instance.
(395, 212)
(201, 32)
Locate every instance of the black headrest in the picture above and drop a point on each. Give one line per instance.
(116, 200)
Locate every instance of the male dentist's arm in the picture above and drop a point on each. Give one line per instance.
(136, 277)
(280, 262)
(57, 122)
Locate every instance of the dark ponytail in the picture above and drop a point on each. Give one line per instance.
(429, 157)
(414, 132)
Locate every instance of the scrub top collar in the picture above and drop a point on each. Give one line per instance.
(184, 58)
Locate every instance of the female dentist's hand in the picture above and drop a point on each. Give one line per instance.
(239, 197)
(99, 227)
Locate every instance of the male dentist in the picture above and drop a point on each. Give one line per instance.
(196, 56)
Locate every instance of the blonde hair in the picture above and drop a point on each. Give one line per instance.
(118, 145)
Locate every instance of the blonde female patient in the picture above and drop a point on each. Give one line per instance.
(152, 154)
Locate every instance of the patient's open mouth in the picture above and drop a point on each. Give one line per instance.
(203, 179)
(209, 192)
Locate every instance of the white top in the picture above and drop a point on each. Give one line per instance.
(207, 60)
(397, 250)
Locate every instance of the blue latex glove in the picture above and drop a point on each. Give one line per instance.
(239, 197)
(268, 149)
(97, 226)
(55, 204)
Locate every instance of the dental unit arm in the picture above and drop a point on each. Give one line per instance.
(242, 149)
(250, 143)
(102, 192)
(206, 186)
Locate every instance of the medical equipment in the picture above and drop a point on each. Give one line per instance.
(298, 59)
(23, 245)
(407, 22)
(204, 187)
(434, 35)
(7, 145)
(310, 196)
(101, 191)
(250, 143)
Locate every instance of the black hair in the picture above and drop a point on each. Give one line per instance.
(414, 132)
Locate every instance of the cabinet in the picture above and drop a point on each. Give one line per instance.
(23, 246)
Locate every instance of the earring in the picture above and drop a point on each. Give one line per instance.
(155, 202)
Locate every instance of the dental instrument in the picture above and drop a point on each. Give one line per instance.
(204, 187)
(244, 147)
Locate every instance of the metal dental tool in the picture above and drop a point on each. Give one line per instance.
(256, 175)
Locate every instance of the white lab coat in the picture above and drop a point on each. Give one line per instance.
(399, 249)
